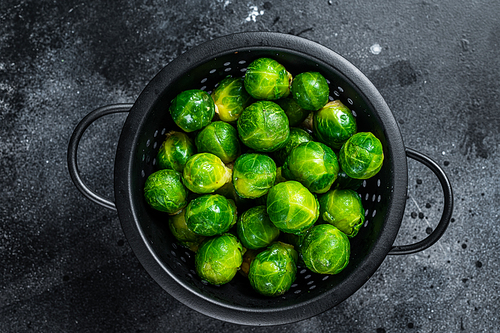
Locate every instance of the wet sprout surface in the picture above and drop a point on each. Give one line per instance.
(165, 192)
(313, 164)
(175, 151)
(231, 98)
(264, 126)
(267, 79)
(220, 139)
(263, 173)
(361, 157)
(253, 175)
(192, 110)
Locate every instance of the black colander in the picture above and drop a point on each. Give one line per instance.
(171, 265)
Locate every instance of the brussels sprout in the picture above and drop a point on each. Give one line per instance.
(181, 232)
(263, 126)
(334, 124)
(218, 259)
(296, 115)
(266, 78)
(175, 151)
(220, 139)
(291, 207)
(310, 90)
(325, 249)
(273, 271)
(297, 136)
(255, 229)
(344, 182)
(164, 191)
(231, 98)
(342, 209)
(313, 164)
(205, 173)
(192, 110)
(210, 214)
(361, 157)
(253, 175)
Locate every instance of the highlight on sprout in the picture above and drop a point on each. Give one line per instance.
(175, 151)
(362, 156)
(291, 207)
(267, 79)
(192, 110)
(253, 175)
(263, 126)
(205, 173)
(218, 259)
(210, 214)
(313, 164)
(220, 139)
(325, 249)
(273, 271)
(310, 90)
(333, 124)
(231, 98)
(165, 192)
(255, 229)
(342, 209)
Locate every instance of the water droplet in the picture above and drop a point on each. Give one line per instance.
(375, 48)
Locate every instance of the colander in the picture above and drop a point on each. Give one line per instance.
(171, 265)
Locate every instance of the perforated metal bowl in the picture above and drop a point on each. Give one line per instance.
(171, 265)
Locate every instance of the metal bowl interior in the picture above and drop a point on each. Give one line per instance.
(171, 265)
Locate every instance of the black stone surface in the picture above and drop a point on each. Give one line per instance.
(65, 264)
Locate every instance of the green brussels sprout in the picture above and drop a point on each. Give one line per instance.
(310, 90)
(296, 115)
(297, 136)
(164, 191)
(263, 126)
(185, 236)
(313, 164)
(175, 151)
(220, 139)
(325, 249)
(344, 182)
(210, 214)
(334, 124)
(361, 157)
(342, 209)
(254, 228)
(273, 271)
(253, 175)
(205, 173)
(218, 259)
(266, 78)
(291, 207)
(231, 98)
(192, 110)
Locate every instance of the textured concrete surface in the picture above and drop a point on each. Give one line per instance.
(65, 263)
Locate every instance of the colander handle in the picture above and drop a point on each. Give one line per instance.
(73, 148)
(447, 210)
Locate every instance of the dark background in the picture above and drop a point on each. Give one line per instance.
(65, 265)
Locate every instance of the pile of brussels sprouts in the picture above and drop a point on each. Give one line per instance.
(262, 174)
